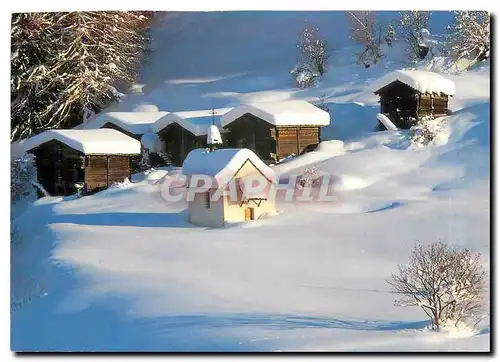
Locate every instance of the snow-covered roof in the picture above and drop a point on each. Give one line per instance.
(133, 122)
(422, 81)
(285, 113)
(221, 165)
(196, 122)
(89, 141)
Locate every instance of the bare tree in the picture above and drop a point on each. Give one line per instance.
(469, 35)
(366, 31)
(314, 55)
(410, 26)
(448, 284)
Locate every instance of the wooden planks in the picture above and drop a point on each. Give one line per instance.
(118, 168)
(96, 172)
(295, 139)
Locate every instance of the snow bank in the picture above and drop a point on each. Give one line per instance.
(422, 81)
(196, 122)
(222, 164)
(386, 122)
(92, 141)
(133, 122)
(286, 113)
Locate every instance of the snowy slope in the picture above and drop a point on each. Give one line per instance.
(123, 270)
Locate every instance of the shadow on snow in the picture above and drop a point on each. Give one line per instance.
(135, 219)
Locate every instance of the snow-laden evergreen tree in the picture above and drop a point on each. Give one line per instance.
(469, 36)
(410, 25)
(366, 31)
(389, 35)
(314, 55)
(64, 65)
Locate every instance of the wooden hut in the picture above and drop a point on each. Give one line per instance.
(92, 158)
(407, 95)
(182, 132)
(274, 130)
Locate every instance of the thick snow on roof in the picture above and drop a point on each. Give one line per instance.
(133, 122)
(422, 81)
(285, 113)
(221, 165)
(89, 141)
(196, 122)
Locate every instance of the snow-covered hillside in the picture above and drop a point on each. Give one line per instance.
(123, 270)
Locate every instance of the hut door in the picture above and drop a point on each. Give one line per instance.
(249, 214)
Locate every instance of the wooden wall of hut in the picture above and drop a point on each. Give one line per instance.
(400, 103)
(59, 168)
(433, 104)
(253, 133)
(179, 142)
(296, 139)
(265, 139)
(101, 171)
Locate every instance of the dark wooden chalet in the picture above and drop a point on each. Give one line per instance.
(274, 130)
(178, 142)
(181, 132)
(406, 96)
(92, 158)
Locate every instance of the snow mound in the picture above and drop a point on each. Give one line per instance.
(222, 164)
(285, 113)
(386, 122)
(94, 141)
(422, 81)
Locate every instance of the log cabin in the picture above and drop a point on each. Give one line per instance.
(182, 132)
(408, 95)
(215, 205)
(92, 158)
(274, 130)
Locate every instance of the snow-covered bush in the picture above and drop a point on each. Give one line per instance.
(469, 36)
(303, 77)
(314, 55)
(429, 130)
(448, 284)
(411, 27)
(366, 31)
(309, 178)
(22, 177)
